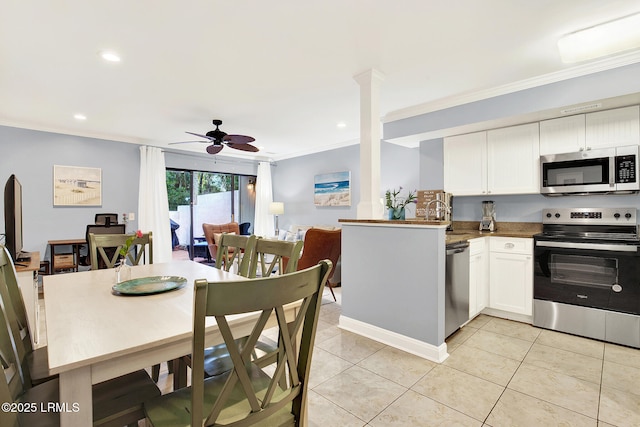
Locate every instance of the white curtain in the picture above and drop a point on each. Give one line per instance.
(153, 204)
(264, 225)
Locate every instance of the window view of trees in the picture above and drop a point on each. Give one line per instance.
(217, 198)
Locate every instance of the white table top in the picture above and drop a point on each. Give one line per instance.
(87, 324)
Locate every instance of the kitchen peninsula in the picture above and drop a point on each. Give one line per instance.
(394, 283)
(393, 274)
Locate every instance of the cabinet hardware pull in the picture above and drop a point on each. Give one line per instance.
(509, 246)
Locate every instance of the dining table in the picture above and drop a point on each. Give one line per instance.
(95, 333)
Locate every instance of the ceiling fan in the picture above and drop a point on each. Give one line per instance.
(217, 138)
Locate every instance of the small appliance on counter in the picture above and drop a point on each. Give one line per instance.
(488, 221)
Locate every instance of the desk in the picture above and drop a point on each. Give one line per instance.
(94, 335)
(72, 262)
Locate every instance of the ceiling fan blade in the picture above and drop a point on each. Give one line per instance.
(243, 147)
(201, 136)
(238, 139)
(214, 149)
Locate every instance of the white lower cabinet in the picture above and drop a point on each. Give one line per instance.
(28, 283)
(511, 275)
(478, 276)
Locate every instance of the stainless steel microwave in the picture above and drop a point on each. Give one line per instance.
(606, 170)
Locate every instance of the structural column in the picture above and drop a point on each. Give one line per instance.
(369, 206)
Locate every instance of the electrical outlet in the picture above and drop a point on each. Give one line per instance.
(132, 216)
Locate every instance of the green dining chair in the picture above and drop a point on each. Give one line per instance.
(37, 359)
(269, 254)
(237, 250)
(116, 402)
(247, 394)
(99, 245)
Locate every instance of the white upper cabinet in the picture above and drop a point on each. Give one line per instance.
(465, 164)
(562, 135)
(602, 129)
(613, 128)
(513, 160)
(501, 161)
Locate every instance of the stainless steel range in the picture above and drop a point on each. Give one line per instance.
(587, 274)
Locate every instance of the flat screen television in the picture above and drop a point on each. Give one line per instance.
(13, 217)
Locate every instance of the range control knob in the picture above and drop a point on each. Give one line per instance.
(557, 215)
(548, 214)
(627, 215)
(616, 215)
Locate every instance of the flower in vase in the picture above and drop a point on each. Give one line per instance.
(395, 202)
(124, 250)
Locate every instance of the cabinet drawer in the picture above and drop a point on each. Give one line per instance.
(511, 245)
(64, 261)
(477, 246)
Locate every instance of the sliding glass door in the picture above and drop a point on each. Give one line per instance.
(197, 197)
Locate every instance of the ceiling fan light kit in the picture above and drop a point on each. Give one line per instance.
(219, 139)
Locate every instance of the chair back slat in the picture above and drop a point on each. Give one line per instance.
(106, 248)
(235, 250)
(260, 395)
(270, 254)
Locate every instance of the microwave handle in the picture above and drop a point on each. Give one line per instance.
(612, 171)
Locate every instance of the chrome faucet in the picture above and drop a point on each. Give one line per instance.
(447, 208)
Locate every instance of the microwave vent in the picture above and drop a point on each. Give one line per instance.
(581, 108)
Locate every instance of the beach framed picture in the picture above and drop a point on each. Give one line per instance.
(77, 186)
(332, 189)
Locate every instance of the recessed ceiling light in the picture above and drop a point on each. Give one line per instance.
(110, 56)
(601, 40)
(341, 125)
(79, 116)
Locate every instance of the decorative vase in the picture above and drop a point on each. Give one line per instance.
(396, 214)
(123, 271)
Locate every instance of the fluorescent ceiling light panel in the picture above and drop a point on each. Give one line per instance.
(601, 40)
(79, 116)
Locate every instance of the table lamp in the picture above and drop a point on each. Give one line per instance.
(276, 208)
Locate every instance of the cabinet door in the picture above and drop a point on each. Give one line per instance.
(513, 160)
(27, 281)
(511, 282)
(478, 276)
(465, 164)
(612, 128)
(562, 135)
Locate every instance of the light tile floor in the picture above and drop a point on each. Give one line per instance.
(499, 373)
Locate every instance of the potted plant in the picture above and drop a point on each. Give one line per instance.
(396, 204)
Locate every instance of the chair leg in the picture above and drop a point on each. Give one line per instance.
(155, 373)
(331, 289)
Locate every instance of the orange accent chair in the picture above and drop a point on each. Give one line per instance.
(212, 233)
(321, 244)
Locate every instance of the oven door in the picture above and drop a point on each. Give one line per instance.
(598, 275)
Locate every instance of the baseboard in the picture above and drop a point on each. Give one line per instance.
(507, 315)
(425, 350)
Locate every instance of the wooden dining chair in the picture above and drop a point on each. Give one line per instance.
(100, 243)
(116, 402)
(247, 394)
(37, 359)
(235, 249)
(269, 255)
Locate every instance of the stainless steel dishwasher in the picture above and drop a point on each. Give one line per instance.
(456, 305)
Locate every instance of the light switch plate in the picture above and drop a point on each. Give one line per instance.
(132, 216)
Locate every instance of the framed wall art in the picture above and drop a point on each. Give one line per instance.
(332, 189)
(77, 186)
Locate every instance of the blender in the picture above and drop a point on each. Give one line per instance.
(488, 222)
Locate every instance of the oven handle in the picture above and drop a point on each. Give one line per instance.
(594, 246)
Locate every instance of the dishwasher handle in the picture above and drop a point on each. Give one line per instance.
(456, 248)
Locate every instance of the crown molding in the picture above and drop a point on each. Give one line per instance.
(468, 97)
